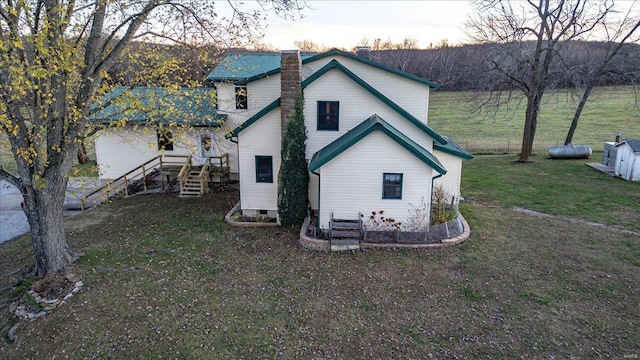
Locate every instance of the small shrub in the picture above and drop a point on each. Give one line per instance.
(441, 210)
(418, 219)
(236, 217)
(263, 218)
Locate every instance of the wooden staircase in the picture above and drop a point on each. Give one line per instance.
(192, 184)
(345, 234)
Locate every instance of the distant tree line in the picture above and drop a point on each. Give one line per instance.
(458, 68)
(469, 67)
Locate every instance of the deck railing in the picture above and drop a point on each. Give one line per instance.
(123, 182)
(218, 165)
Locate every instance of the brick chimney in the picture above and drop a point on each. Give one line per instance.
(363, 52)
(290, 79)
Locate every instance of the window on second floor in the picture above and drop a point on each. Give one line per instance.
(241, 97)
(328, 115)
(165, 139)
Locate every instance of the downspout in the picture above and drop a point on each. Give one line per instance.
(319, 189)
(431, 199)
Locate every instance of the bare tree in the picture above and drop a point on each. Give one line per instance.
(309, 46)
(54, 57)
(596, 67)
(535, 31)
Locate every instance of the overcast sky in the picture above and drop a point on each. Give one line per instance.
(346, 23)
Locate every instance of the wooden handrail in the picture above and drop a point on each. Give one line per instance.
(141, 170)
(183, 175)
(204, 173)
(158, 162)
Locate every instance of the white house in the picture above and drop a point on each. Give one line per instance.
(369, 145)
(140, 123)
(627, 163)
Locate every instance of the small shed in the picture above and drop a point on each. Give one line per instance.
(627, 164)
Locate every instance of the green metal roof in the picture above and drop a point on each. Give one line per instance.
(155, 106)
(239, 68)
(373, 123)
(247, 67)
(452, 148)
(334, 64)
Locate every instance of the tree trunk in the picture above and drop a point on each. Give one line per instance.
(43, 207)
(531, 118)
(576, 115)
(82, 154)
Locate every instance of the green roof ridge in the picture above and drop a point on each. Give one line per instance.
(452, 148)
(307, 58)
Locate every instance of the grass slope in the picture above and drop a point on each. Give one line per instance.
(608, 110)
(166, 278)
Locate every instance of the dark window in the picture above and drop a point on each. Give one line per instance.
(165, 139)
(328, 115)
(241, 97)
(392, 186)
(264, 169)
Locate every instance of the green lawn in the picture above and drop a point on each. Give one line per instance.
(165, 277)
(561, 187)
(608, 110)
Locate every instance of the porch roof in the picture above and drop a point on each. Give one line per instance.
(157, 106)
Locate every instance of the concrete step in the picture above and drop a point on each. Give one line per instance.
(344, 244)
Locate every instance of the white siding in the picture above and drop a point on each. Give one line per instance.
(356, 105)
(263, 92)
(451, 180)
(261, 138)
(121, 150)
(410, 95)
(352, 182)
(260, 93)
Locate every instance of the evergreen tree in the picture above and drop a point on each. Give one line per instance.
(293, 182)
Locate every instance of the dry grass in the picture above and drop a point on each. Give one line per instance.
(166, 278)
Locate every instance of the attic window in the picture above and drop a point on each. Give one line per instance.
(391, 186)
(328, 115)
(165, 139)
(241, 97)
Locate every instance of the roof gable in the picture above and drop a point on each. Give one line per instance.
(634, 144)
(334, 64)
(373, 123)
(334, 52)
(155, 106)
